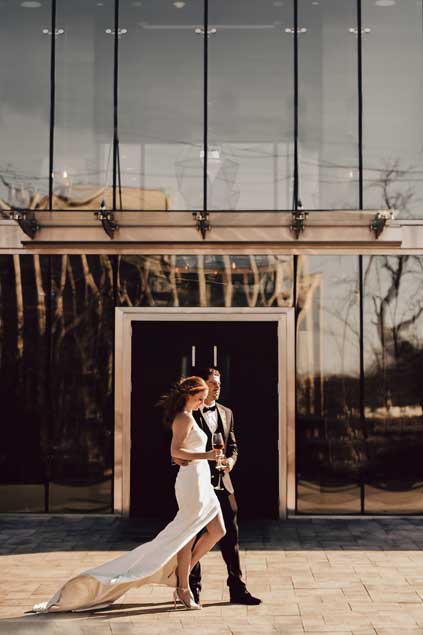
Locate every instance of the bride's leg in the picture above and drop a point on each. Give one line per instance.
(215, 532)
(184, 564)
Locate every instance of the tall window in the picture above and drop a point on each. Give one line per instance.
(328, 104)
(250, 113)
(161, 105)
(84, 105)
(24, 103)
(393, 98)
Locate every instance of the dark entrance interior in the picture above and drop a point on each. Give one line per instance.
(246, 354)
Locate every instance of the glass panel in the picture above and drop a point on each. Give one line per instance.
(250, 281)
(393, 347)
(84, 105)
(23, 383)
(393, 90)
(328, 104)
(24, 103)
(330, 443)
(161, 105)
(250, 114)
(82, 390)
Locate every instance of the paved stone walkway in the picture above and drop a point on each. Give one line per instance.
(356, 577)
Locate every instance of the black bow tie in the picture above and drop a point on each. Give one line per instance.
(209, 409)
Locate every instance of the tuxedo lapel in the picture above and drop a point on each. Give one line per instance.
(224, 420)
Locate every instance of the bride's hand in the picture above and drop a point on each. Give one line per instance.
(213, 455)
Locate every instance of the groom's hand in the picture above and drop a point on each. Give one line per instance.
(228, 463)
(180, 462)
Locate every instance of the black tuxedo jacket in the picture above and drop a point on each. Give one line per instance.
(230, 445)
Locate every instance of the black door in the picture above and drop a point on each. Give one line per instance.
(247, 358)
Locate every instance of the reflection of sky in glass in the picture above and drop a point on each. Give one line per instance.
(393, 96)
(328, 101)
(250, 100)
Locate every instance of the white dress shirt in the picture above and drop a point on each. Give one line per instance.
(210, 417)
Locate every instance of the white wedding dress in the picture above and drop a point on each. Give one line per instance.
(153, 562)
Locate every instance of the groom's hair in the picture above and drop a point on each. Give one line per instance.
(206, 372)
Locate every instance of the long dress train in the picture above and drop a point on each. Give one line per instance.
(153, 562)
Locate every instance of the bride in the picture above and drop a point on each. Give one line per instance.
(169, 557)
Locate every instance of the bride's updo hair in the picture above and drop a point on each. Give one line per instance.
(174, 401)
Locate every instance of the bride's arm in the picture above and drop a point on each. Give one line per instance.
(181, 427)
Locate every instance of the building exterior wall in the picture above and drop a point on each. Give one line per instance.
(162, 155)
(359, 353)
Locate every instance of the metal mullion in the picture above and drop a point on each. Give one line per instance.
(296, 170)
(205, 102)
(362, 384)
(115, 101)
(360, 101)
(52, 103)
(360, 198)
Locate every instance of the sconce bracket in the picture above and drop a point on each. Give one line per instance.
(378, 223)
(107, 220)
(26, 221)
(202, 222)
(297, 226)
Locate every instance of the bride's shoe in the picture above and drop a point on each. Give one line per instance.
(185, 596)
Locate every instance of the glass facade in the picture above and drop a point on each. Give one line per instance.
(24, 105)
(359, 360)
(329, 428)
(393, 93)
(56, 372)
(359, 403)
(328, 105)
(83, 132)
(393, 346)
(250, 112)
(278, 103)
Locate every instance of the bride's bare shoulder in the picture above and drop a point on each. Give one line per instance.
(182, 421)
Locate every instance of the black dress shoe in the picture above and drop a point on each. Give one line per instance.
(243, 597)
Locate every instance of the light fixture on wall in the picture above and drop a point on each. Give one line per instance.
(107, 219)
(179, 4)
(56, 33)
(378, 224)
(363, 31)
(299, 31)
(120, 32)
(26, 221)
(200, 31)
(385, 3)
(31, 4)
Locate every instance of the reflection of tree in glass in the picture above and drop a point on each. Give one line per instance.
(391, 177)
(394, 302)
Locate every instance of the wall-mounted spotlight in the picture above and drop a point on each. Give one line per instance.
(56, 33)
(202, 222)
(120, 32)
(26, 221)
(107, 220)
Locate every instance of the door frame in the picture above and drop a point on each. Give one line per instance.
(285, 319)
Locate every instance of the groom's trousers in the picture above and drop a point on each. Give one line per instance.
(229, 545)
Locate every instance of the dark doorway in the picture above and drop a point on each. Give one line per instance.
(247, 356)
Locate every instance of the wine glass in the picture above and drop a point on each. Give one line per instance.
(218, 444)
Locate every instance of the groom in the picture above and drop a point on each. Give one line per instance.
(213, 417)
